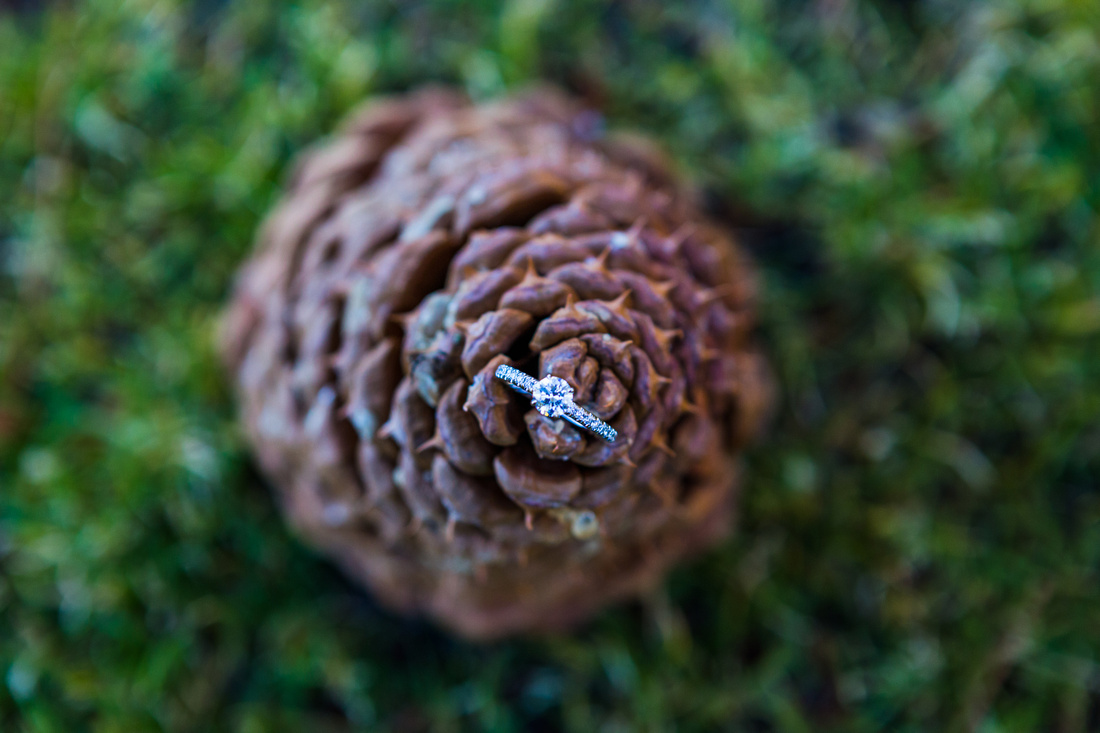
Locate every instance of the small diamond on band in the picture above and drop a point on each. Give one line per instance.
(553, 397)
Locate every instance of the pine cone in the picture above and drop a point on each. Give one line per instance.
(432, 241)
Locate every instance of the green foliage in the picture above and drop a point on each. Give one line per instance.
(919, 546)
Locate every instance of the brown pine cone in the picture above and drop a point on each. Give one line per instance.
(432, 241)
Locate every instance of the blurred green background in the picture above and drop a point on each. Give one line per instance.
(919, 546)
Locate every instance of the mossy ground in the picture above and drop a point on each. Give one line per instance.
(919, 546)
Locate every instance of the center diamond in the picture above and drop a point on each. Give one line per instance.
(552, 395)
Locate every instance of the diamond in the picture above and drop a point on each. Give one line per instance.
(552, 396)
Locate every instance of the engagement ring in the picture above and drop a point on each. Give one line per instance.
(553, 397)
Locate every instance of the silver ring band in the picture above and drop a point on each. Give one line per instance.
(553, 397)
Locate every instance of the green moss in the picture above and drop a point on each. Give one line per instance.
(919, 546)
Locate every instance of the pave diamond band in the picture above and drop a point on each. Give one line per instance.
(553, 397)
